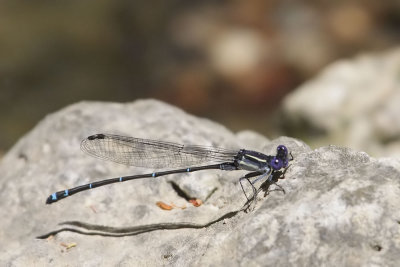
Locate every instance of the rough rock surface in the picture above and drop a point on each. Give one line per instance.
(341, 207)
(352, 102)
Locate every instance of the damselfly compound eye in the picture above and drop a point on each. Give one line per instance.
(276, 163)
(282, 151)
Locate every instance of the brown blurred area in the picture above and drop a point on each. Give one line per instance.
(231, 61)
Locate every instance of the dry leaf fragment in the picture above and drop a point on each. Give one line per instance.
(164, 206)
(196, 202)
(68, 246)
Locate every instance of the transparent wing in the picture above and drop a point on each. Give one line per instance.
(152, 153)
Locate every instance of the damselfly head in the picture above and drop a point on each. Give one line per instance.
(282, 154)
(276, 163)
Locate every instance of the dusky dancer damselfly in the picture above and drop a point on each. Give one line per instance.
(160, 154)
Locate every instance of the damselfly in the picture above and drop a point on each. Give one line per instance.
(160, 154)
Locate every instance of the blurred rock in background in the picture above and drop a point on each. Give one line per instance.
(352, 102)
(231, 61)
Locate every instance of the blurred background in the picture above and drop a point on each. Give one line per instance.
(231, 61)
